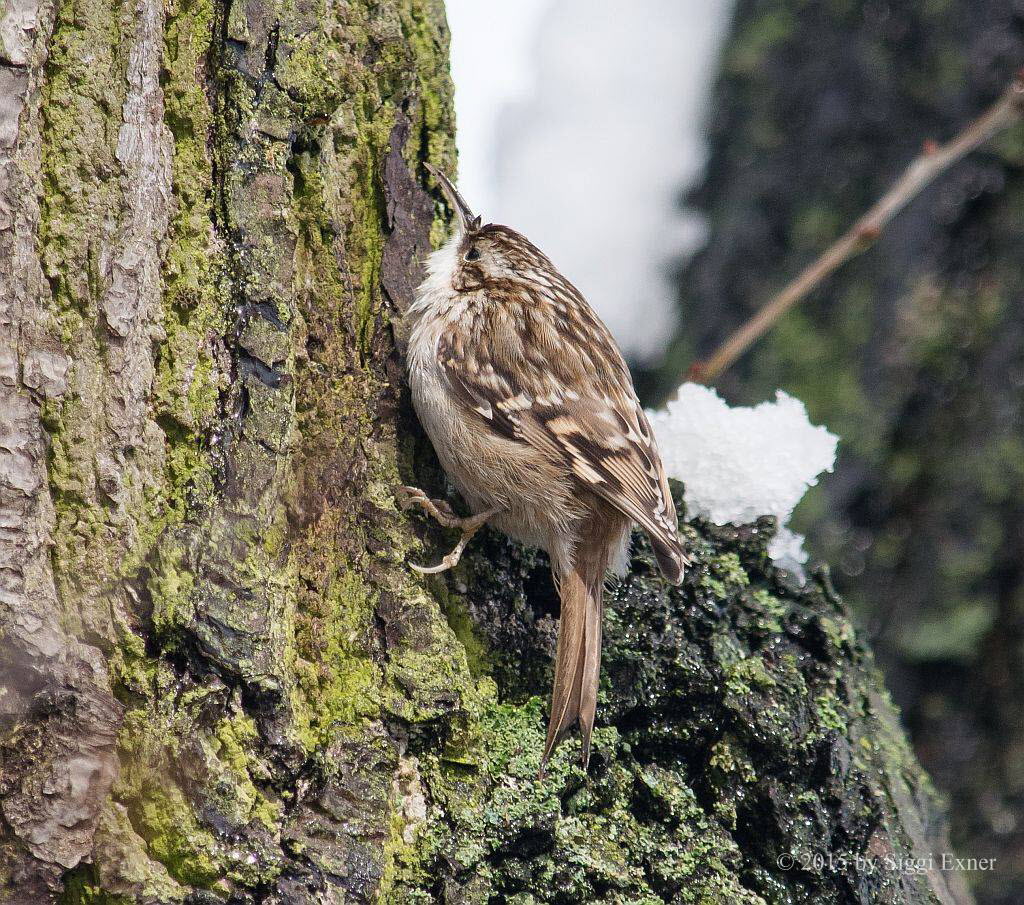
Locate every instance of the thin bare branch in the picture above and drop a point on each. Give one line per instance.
(934, 160)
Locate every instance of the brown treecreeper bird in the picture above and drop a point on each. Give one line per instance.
(532, 413)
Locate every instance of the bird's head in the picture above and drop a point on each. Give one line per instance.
(480, 254)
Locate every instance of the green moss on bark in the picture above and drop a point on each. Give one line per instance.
(273, 305)
(85, 78)
(734, 716)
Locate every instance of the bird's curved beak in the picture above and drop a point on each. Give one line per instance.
(467, 220)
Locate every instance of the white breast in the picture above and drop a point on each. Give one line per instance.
(436, 292)
(435, 299)
(431, 313)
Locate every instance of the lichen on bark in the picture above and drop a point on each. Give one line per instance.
(213, 422)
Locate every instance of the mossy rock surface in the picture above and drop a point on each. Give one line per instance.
(744, 750)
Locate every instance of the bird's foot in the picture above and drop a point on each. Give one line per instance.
(412, 497)
(409, 497)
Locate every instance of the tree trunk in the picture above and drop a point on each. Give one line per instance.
(221, 681)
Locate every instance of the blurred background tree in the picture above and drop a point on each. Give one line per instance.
(914, 353)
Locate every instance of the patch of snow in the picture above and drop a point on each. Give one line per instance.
(739, 463)
(787, 551)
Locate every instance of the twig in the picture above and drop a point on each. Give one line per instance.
(933, 160)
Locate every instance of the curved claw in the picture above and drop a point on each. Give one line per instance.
(442, 566)
(407, 497)
(412, 497)
(450, 561)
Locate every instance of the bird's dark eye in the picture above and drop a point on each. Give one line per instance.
(473, 254)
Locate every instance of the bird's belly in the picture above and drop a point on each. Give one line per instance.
(535, 495)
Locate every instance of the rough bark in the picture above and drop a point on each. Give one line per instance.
(221, 680)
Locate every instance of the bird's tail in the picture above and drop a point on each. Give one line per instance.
(578, 659)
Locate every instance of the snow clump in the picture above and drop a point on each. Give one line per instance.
(741, 463)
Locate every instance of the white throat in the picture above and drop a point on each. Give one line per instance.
(437, 287)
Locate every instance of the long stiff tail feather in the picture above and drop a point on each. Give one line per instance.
(577, 661)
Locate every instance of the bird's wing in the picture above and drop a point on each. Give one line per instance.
(570, 396)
